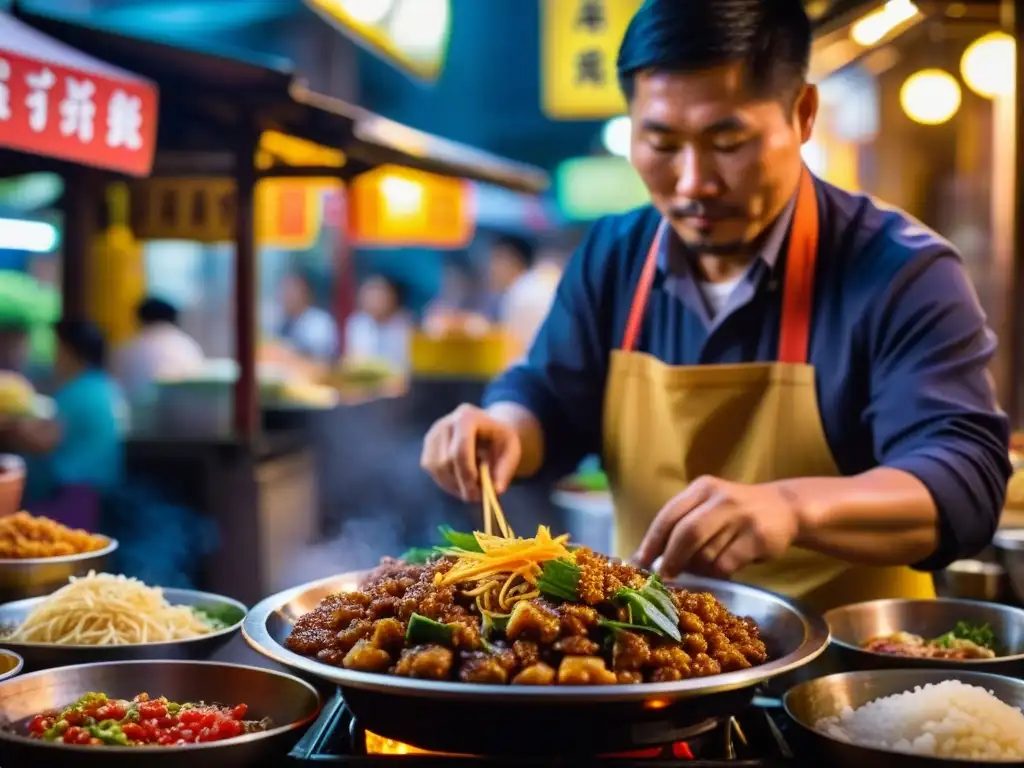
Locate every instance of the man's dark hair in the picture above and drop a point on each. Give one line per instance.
(153, 310)
(520, 247)
(396, 287)
(771, 37)
(84, 339)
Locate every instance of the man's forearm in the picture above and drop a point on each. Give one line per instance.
(530, 431)
(881, 517)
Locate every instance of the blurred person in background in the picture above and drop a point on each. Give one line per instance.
(525, 284)
(307, 329)
(14, 346)
(381, 328)
(462, 303)
(75, 458)
(787, 382)
(160, 349)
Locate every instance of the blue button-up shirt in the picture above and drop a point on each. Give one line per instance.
(898, 340)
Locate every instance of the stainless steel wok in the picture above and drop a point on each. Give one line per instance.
(461, 717)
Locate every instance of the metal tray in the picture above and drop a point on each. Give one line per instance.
(629, 715)
(46, 656)
(291, 703)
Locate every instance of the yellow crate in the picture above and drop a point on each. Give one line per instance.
(458, 354)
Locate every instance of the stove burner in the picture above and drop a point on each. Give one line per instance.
(755, 738)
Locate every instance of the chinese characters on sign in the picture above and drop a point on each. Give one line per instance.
(580, 43)
(73, 115)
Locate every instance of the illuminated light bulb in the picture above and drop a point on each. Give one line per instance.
(404, 197)
(930, 96)
(989, 65)
(31, 236)
(616, 136)
(369, 12)
(875, 26)
(420, 26)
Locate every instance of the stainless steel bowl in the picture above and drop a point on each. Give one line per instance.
(290, 703)
(11, 664)
(852, 625)
(1009, 543)
(42, 575)
(808, 702)
(973, 580)
(46, 656)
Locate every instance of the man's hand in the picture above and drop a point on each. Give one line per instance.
(456, 443)
(716, 528)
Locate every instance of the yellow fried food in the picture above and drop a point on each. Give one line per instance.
(23, 537)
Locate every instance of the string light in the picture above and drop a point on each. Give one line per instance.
(930, 96)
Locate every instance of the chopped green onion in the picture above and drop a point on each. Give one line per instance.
(647, 614)
(424, 631)
(464, 541)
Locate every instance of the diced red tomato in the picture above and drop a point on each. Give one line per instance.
(152, 710)
(40, 724)
(240, 711)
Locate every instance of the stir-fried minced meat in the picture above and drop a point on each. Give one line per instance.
(543, 641)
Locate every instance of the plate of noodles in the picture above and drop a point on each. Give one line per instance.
(38, 555)
(106, 617)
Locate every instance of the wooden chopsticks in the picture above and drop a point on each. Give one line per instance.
(492, 509)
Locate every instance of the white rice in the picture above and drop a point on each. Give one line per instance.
(948, 719)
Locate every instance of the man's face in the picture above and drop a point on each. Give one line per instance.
(377, 299)
(720, 165)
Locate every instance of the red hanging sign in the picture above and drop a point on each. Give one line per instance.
(57, 102)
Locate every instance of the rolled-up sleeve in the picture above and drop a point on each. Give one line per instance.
(933, 412)
(562, 380)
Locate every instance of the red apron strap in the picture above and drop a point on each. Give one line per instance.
(798, 293)
(643, 291)
(801, 262)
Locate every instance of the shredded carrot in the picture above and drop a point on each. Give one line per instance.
(506, 560)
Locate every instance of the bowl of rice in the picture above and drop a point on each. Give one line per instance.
(911, 717)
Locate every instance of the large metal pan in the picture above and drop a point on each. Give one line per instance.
(807, 703)
(462, 717)
(46, 656)
(290, 703)
(32, 577)
(851, 625)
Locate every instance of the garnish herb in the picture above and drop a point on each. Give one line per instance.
(494, 624)
(463, 541)
(622, 626)
(560, 579)
(424, 631)
(418, 555)
(647, 614)
(982, 636)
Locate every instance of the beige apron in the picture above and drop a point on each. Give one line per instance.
(665, 426)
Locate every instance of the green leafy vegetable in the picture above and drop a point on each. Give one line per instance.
(655, 591)
(418, 555)
(464, 541)
(495, 624)
(623, 626)
(219, 616)
(647, 614)
(560, 579)
(979, 635)
(424, 631)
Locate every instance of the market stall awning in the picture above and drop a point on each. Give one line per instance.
(58, 102)
(209, 96)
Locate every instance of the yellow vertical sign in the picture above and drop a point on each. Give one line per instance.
(579, 46)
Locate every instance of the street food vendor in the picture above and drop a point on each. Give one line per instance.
(787, 382)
